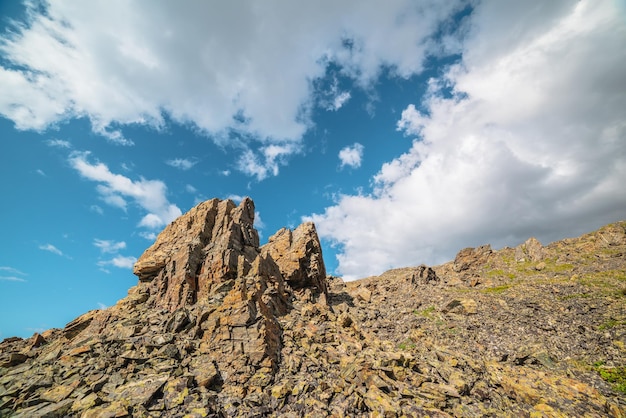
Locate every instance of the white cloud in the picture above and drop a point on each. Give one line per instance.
(190, 189)
(212, 65)
(351, 155)
(267, 162)
(109, 246)
(40, 172)
(119, 262)
(12, 279)
(59, 143)
(333, 98)
(531, 142)
(258, 222)
(181, 163)
(97, 209)
(340, 100)
(51, 248)
(150, 236)
(102, 306)
(111, 199)
(235, 198)
(12, 270)
(149, 194)
(151, 221)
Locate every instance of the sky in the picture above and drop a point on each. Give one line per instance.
(406, 130)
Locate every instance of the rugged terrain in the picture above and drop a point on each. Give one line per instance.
(219, 326)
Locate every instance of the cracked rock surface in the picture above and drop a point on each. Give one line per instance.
(218, 326)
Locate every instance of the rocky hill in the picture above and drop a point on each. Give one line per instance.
(218, 326)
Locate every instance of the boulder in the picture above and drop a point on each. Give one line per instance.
(471, 257)
(531, 250)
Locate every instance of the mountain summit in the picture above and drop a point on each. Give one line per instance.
(221, 326)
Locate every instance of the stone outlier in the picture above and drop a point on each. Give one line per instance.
(531, 250)
(211, 244)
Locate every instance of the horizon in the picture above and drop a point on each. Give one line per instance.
(405, 131)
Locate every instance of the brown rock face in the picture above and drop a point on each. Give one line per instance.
(210, 259)
(531, 250)
(211, 244)
(298, 254)
(471, 256)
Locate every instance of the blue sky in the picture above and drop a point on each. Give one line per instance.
(406, 130)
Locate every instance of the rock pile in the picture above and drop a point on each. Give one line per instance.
(219, 326)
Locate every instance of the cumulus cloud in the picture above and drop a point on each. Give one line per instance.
(235, 198)
(119, 262)
(150, 236)
(340, 100)
(151, 195)
(181, 163)
(113, 248)
(334, 98)
(51, 248)
(524, 137)
(267, 161)
(351, 155)
(213, 65)
(109, 246)
(59, 143)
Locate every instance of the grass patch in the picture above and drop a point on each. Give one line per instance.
(611, 252)
(525, 267)
(611, 323)
(496, 289)
(425, 313)
(407, 344)
(614, 375)
(605, 280)
(550, 266)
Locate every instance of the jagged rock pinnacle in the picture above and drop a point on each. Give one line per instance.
(216, 242)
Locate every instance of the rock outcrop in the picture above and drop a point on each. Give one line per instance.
(212, 244)
(298, 254)
(218, 326)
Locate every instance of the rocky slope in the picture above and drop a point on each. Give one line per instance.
(218, 326)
